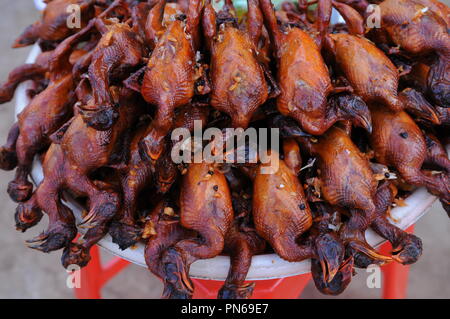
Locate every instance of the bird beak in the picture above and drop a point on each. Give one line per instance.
(365, 122)
(427, 112)
(330, 253)
(416, 104)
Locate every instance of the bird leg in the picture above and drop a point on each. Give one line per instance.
(8, 155)
(18, 75)
(206, 208)
(407, 248)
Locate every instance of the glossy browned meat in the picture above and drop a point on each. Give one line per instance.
(164, 231)
(414, 27)
(170, 76)
(241, 241)
(206, 208)
(399, 142)
(68, 164)
(53, 25)
(375, 79)
(119, 51)
(241, 244)
(134, 177)
(32, 71)
(347, 181)
(304, 80)
(281, 212)
(238, 80)
(138, 174)
(420, 31)
(407, 248)
(46, 112)
(139, 14)
(438, 7)
(359, 5)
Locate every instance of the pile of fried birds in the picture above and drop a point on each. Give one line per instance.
(363, 114)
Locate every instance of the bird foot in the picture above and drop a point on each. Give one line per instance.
(102, 119)
(124, 235)
(27, 215)
(363, 254)
(230, 291)
(8, 159)
(53, 239)
(75, 254)
(408, 250)
(177, 284)
(20, 191)
(99, 215)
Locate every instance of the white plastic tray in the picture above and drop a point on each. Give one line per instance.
(263, 266)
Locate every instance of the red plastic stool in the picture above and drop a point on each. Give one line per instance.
(395, 275)
(283, 288)
(94, 276)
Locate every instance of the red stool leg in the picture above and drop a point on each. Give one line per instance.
(283, 288)
(94, 276)
(395, 275)
(112, 268)
(90, 284)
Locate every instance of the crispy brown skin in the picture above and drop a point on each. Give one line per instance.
(241, 244)
(303, 76)
(281, 212)
(375, 79)
(119, 51)
(347, 181)
(399, 142)
(420, 34)
(206, 208)
(138, 173)
(168, 232)
(67, 165)
(53, 25)
(169, 80)
(418, 28)
(304, 82)
(241, 241)
(407, 248)
(238, 81)
(46, 112)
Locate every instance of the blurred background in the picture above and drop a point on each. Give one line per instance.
(26, 273)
